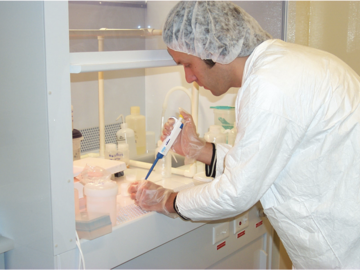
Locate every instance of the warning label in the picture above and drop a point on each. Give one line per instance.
(241, 234)
(221, 245)
(258, 224)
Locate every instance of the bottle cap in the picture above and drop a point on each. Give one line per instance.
(124, 125)
(76, 134)
(135, 110)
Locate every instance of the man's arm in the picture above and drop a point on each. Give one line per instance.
(204, 157)
(206, 154)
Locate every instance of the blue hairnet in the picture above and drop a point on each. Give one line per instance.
(216, 30)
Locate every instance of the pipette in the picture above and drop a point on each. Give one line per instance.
(168, 142)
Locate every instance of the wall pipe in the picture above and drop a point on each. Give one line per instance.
(101, 103)
(106, 32)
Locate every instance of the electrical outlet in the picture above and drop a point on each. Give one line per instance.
(220, 232)
(241, 222)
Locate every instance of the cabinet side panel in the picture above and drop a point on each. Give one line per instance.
(59, 119)
(25, 197)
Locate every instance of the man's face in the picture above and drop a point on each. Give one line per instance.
(215, 79)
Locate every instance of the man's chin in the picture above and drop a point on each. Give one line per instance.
(212, 92)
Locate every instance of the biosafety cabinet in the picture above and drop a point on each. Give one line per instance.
(57, 54)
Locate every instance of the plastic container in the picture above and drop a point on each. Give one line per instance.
(111, 151)
(163, 166)
(91, 227)
(215, 135)
(136, 122)
(224, 116)
(77, 138)
(101, 199)
(123, 198)
(231, 135)
(127, 135)
(123, 153)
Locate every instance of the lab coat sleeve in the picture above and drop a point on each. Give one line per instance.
(221, 151)
(264, 144)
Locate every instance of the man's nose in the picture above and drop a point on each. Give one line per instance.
(189, 76)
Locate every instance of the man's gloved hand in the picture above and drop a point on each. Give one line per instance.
(151, 197)
(188, 143)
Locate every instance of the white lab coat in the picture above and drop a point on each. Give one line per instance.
(297, 151)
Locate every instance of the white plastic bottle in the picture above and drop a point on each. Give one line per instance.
(110, 151)
(126, 135)
(123, 153)
(215, 135)
(163, 166)
(136, 122)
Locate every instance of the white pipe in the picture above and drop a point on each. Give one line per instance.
(140, 164)
(106, 32)
(101, 103)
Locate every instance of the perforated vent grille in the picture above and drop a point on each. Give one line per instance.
(91, 137)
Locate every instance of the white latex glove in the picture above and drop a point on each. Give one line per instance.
(188, 143)
(150, 196)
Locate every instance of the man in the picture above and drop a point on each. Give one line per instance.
(298, 144)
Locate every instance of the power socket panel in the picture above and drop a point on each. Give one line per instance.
(221, 232)
(241, 222)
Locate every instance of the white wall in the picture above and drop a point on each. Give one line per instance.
(123, 89)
